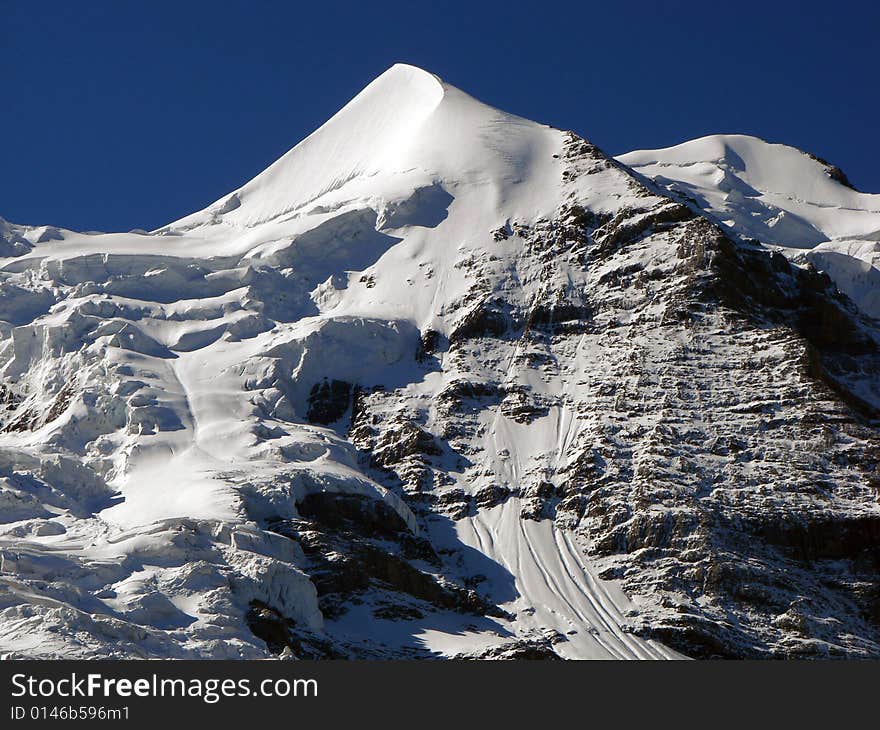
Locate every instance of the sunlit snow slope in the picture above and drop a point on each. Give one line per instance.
(781, 196)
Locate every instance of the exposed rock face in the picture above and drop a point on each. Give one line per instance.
(727, 452)
(328, 401)
(361, 553)
(724, 461)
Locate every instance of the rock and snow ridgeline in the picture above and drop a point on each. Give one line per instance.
(443, 381)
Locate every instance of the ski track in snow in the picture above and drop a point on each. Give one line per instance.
(555, 581)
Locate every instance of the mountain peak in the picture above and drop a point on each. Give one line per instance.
(406, 120)
(772, 192)
(407, 73)
(359, 139)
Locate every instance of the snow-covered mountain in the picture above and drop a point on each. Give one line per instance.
(788, 199)
(443, 381)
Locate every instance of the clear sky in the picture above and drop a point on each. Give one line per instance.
(122, 114)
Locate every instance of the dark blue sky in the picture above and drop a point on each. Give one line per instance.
(118, 115)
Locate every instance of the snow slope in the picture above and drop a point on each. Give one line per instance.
(401, 394)
(781, 196)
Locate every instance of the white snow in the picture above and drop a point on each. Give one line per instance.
(558, 588)
(780, 196)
